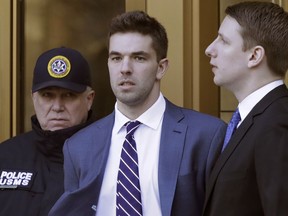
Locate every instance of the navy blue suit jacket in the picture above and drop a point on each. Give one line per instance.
(190, 143)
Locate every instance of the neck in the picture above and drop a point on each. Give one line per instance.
(242, 92)
(133, 111)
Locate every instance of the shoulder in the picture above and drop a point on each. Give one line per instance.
(18, 149)
(95, 130)
(192, 117)
(20, 141)
(272, 108)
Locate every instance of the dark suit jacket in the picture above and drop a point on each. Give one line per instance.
(250, 178)
(190, 143)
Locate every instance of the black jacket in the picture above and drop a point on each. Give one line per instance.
(31, 170)
(250, 178)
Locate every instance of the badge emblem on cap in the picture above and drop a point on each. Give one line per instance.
(59, 66)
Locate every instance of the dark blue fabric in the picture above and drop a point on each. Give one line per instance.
(236, 118)
(128, 198)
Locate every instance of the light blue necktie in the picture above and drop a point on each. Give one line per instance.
(128, 199)
(236, 118)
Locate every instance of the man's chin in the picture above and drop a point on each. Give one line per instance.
(55, 127)
(217, 82)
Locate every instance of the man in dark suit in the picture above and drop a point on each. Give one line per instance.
(176, 147)
(250, 58)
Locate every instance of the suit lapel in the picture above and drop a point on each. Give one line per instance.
(171, 146)
(233, 143)
(103, 137)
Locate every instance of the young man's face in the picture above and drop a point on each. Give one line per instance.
(229, 61)
(134, 71)
(58, 108)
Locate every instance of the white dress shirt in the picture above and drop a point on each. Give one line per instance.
(251, 100)
(147, 138)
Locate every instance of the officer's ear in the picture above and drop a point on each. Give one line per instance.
(90, 97)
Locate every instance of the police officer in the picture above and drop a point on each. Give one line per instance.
(31, 173)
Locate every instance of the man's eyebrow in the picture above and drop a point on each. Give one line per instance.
(114, 53)
(132, 54)
(140, 53)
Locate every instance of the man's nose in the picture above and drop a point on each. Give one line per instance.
(58, 105)
(210, 50)
(126, 65)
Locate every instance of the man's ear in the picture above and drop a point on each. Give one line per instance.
(256, 56)
(162, 68)
(32, 95)
(90, 98)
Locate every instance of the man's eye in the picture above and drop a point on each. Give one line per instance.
(115, 58)
(139, 58)
(46, 94)
(70, 95)
(223, 40)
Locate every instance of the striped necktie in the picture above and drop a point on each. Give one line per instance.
(128, 199)
(236, 118)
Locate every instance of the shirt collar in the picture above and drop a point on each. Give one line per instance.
(151, 117)
(251, 100)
